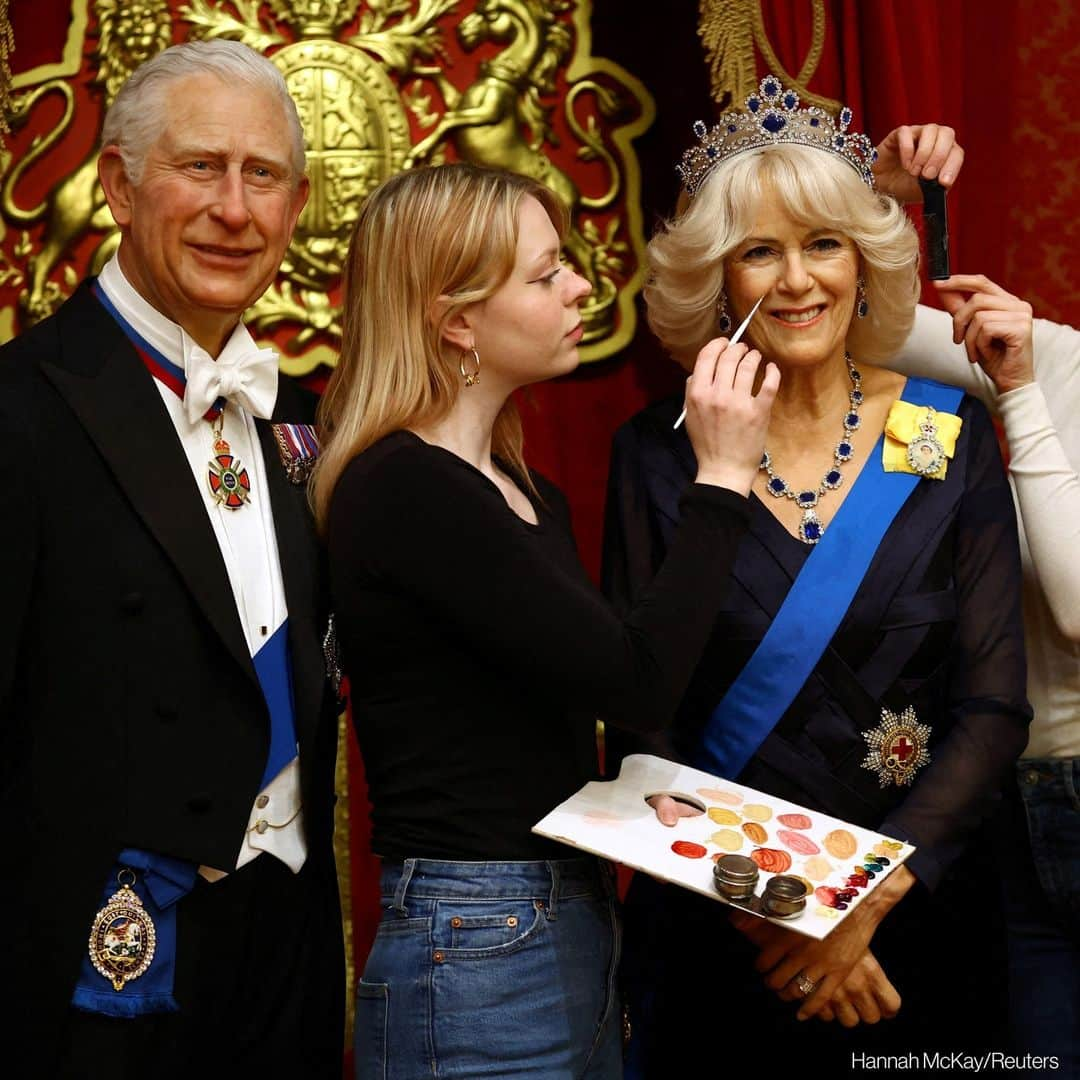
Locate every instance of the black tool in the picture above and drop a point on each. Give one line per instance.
(936, 222)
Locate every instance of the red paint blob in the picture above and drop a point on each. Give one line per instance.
(688, 849)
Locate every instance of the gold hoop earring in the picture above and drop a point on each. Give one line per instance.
(470, 377)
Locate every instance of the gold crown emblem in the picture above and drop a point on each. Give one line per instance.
(772, 116)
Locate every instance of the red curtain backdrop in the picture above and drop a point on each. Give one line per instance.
(1000, 71)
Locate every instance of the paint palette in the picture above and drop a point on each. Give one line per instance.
(839, 863)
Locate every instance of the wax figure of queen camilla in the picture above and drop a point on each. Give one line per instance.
(169, 733)
(868, 661)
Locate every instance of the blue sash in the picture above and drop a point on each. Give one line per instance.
(819, 597)
(274, 669)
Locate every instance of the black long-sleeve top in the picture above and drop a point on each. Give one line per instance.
(479, 653)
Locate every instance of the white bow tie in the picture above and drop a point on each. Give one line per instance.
(242, 374)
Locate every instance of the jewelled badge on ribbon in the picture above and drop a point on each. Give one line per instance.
(920, 440)
(123, 938)
(925, 454)
(898, 747)
(228, 479)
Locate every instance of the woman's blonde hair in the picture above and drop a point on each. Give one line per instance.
(428, 243)
(686, 256)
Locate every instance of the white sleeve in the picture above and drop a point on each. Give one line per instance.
(929, 353)
(1042, 427)
(1043, 431)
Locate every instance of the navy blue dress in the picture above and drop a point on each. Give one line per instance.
(935, 625)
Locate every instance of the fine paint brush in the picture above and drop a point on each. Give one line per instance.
(734, 338)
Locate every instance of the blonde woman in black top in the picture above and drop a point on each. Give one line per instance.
(477, 650)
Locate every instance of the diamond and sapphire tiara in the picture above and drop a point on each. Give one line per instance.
(772, 116)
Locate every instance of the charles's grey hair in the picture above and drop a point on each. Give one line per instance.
(137, 116)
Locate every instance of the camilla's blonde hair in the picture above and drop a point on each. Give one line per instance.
(428, 243)
(686, 257)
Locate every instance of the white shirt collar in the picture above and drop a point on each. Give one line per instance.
(169, 338)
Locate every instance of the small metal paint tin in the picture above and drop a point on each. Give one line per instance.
(784, 897)
(735, 877)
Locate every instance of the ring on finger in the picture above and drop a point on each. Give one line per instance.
(804, 984)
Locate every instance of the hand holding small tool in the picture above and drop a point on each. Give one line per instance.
(734, 340)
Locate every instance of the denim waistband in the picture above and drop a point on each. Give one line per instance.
(1055, 775)
(548, 880)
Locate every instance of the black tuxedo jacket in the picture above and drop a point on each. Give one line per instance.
(130, 709)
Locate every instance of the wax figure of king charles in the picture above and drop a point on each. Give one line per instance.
(169, 731)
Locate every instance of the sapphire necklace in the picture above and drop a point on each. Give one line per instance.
(810, 528)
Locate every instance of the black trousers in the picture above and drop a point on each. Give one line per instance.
(259, 982)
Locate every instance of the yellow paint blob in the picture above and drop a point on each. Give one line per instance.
(728, 839)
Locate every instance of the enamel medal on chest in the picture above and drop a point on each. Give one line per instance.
(228, 479)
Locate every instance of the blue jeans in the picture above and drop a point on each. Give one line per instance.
(492, 969)
(1042, 897)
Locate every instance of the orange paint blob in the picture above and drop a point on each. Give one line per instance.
(755, 833)
(771, 860)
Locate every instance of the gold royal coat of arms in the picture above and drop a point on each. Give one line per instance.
(381, 86)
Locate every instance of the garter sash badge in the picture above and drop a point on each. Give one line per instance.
(123, 937)
(298, 447)
(897, 747)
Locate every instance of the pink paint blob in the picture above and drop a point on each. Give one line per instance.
(794, 821)
(800, 844)
(732, 798)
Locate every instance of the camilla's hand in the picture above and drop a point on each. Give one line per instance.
(866, 996)
(805, 970)
(994, 326)
(929, 151)
(725, 419)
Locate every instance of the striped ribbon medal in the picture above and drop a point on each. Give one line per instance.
(298, 447)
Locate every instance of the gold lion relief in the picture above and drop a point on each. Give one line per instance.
(376, 86)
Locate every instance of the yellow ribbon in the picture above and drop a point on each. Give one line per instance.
(904, 423)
